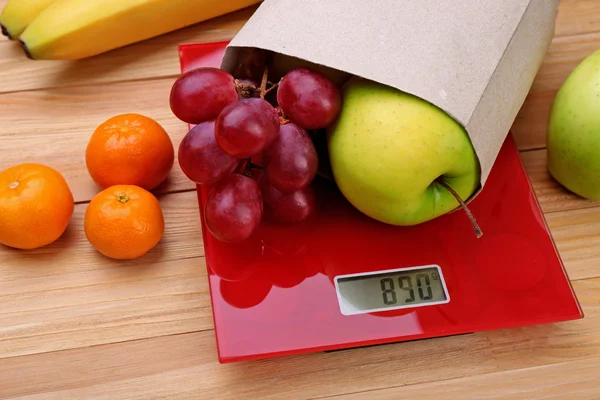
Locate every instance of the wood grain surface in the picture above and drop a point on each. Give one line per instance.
(75, 325)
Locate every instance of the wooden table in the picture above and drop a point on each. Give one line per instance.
(75, 325)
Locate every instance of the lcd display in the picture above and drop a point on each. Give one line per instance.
(391, 289)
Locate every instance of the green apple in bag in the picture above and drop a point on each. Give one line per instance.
(396, 157)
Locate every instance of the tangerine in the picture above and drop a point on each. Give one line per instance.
(130, 149)
(36, 206)
(124, 222)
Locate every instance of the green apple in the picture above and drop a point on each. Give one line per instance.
(574, 131)
(389, 149)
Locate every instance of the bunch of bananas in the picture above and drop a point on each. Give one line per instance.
(75, 29)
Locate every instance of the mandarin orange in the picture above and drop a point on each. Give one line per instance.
(36, 206)
(124, 222)
(130, 149)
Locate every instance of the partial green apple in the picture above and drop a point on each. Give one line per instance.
(388, 149)
(574, 131)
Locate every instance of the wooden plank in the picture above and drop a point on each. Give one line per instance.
(54, 126)
(576, 380)
(149, 59)
(552, 196)
(577, 236)
(103, 364)
(68, 295)
(531, 124)
(184, 366)
(157, 57)
(564, 54)
(577, 17)
(573, 220)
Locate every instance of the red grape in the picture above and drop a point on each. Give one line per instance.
(291, 161)
(200, 157)
(293, 207)
(246, 127)
(234, 208)
(309, 98)
(200, 95)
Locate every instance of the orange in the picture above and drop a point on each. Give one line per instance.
(124, 222)
(130, 149)
(36, 206)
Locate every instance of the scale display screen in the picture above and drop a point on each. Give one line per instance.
(369, 292)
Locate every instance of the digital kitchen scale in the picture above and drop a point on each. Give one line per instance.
(344, 280)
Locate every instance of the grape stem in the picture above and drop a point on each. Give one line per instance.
(283, 119)
(271, 88)
(263, 84)
(245, 89)
(476, 228)
(255, 166)
(249, 167)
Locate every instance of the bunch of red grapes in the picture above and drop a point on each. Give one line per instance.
(254, 150)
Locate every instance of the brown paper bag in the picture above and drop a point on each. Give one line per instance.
(475, 59)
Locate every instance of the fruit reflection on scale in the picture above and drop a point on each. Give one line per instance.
(280, 292)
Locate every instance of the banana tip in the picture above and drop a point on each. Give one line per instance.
(26, 50)
(5, 31)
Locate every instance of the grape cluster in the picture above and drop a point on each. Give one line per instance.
(256, 152)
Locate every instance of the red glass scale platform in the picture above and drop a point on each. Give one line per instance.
(344, 280)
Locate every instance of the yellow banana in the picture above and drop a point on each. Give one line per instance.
(17, 14)
(75, 29)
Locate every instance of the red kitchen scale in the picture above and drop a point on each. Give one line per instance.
(343, 280)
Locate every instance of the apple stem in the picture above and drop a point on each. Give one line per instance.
(263, 84)
(476, 227)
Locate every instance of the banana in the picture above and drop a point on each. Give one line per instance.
(17, 14)
(76, 29)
